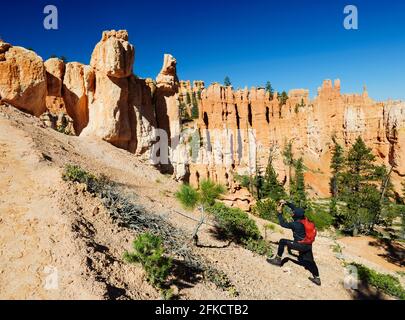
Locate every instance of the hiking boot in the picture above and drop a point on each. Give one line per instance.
(275, 261)
(315, 280)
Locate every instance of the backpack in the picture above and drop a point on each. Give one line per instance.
(310, 232)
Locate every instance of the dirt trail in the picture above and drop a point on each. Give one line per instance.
(43, 253)
(46, 223)
(28, 211)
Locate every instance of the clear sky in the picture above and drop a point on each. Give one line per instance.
(293, 44)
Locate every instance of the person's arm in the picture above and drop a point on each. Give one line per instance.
(283, 223)
(281, 219)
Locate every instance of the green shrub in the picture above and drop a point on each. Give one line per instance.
(205, 197)
(266, 209)
(319, 216)
(235, 223)
(187, 196)
(390, 212)
(258, 246)
(219, 278)
(244, 180)
(385, 282)
(336, 248)
(75, 173)
(149, 252)
(210, 191)
(194, 112)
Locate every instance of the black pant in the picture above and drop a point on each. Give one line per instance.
(305, 258)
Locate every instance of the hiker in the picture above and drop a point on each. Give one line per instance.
(304, 233)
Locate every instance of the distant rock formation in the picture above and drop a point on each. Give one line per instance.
(167, 105)
(190, 94)
(244, 124)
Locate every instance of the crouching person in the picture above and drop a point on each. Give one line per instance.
(304, 233)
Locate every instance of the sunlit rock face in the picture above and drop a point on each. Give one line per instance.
(114, 55)
(244, 125)
(237, 129)
(108, 107)
(78, 93)
(168, 117)
(22, 79)
(55, 72)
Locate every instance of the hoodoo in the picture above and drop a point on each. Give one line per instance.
(105, 100)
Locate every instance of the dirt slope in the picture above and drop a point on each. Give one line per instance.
(47, 223)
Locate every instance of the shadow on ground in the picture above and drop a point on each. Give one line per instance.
(394, 251)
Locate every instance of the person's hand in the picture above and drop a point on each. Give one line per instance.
(280, 206)
(283, 202)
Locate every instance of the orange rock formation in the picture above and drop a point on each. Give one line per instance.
(104, 100)
(243, 125)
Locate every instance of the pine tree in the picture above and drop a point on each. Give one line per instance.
(359, 189)
(298, 192)
(183, 111)
(387, 192)
(227, 82)
(272, 188)
(337, 165)
(194, 108)
(289, 161)
(283, 98)
(258, 182)
(202, 199)
(194, 112)
(193, 99)
(334, 211)
(270, 90)
(188, 98)
(360, 166)
(387, 189)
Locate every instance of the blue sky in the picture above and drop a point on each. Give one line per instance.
(293, 44)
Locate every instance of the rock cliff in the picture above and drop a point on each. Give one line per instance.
(235, 128)
(238, 128)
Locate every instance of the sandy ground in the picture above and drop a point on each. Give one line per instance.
(47, 225)
(383, 256)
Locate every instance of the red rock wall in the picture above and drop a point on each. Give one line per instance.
(309, 126)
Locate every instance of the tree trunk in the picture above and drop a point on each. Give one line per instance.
(198, 226)
(383, 191)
